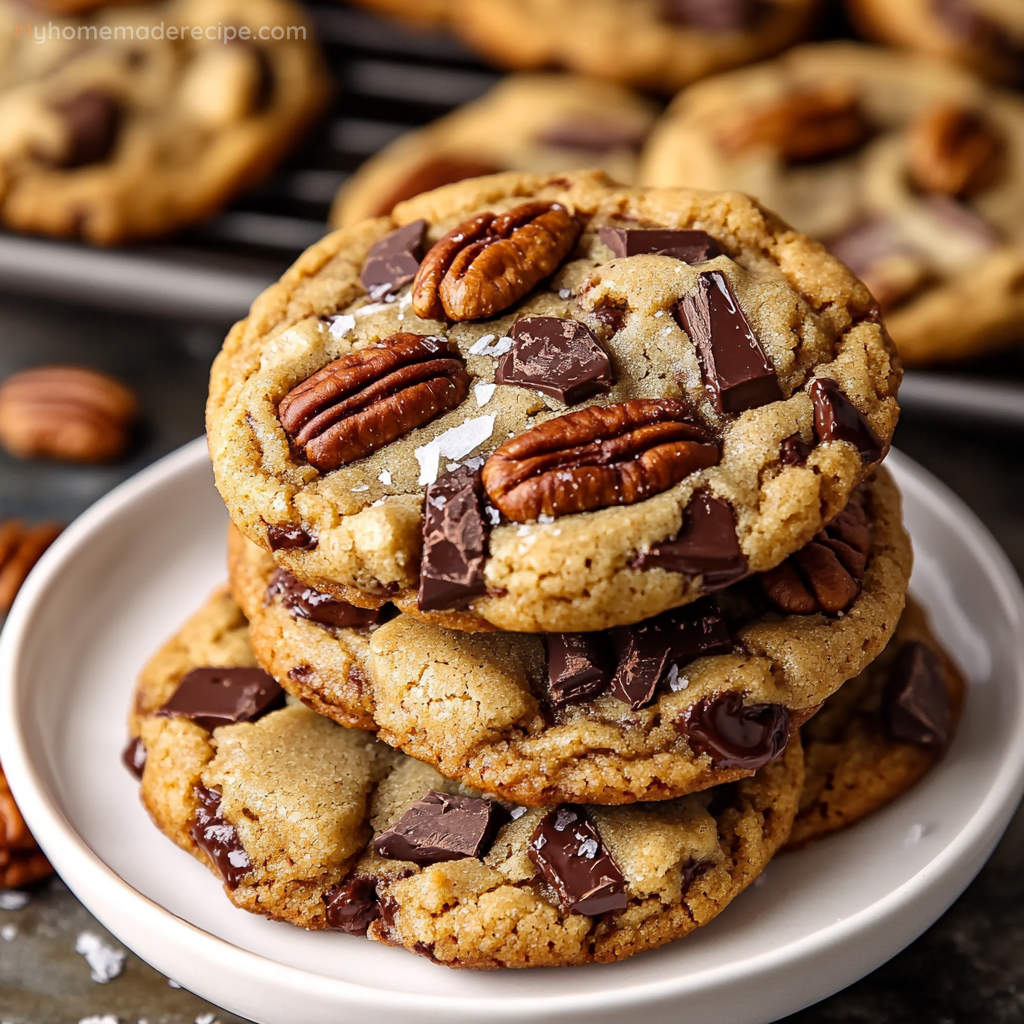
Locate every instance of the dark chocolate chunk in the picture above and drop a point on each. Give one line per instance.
(306, 603)
(688, 245)
(93, 121)
(441, 827)
(917, 707)
(865, 244)
(714, 15)
(392, 261)
(706, 546)
(737, 373)
(736, 735)
(610, 316)
(655, 650)
(218, 838)
(290, 538)
(212, 697)
(593, 134)
(557, 357)
(580, 665)
(134, 757)
(794, 450)
(352, 907)
(836, 418)
(454, 542)
(568, 852)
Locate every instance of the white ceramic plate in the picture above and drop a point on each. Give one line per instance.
(128, 572)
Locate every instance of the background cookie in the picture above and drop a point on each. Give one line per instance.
(21, 860)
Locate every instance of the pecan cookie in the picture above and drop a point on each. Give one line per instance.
(532, 123)
(638, 713)
(584, 404)
(119, 129)
(907, 169)
(323, 827)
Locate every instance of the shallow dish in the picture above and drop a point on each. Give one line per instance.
(123, 577)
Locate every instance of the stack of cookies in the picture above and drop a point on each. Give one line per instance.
(566, 587)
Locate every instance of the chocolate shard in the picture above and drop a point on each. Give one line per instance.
(916, 703)
(836, 418)
(737, 373)
(557, 357)
(794, 451)
(686, 244)
(392, 261)
(706, 546)
(290, 538)
(567, 850)
(212, 697)
(304, 602)
(579, 667)
(134, 757)
(93, 122)
(737, 735)
(454, 542)
(593, 134)
(714, 15)
(441, 827)
(218, 837)
(352, 906)
(655, 650)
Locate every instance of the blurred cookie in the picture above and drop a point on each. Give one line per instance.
(909, 170)
(21, 860)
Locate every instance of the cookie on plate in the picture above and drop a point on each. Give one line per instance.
(324, 827)
(585, 403)
(533, 123)
(133, 133)
(909, 170)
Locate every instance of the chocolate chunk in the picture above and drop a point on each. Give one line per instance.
(579, 666)
(714, 15)
(134, 757)
(593, 134)
(706, 546)
(737, 373)
(737, 735)
(290, 538)
(655, 650)
(352, 907)
(304, 602)
(443, 169)
(392, 261)
(836, 418)
(917, 708)
(218, 837)
(568, 852)
(441, 827)
(794, 451)
(690, 246)
(93, 121)
(454, 542)
(557, 357)
(212, 697)
(610, 316)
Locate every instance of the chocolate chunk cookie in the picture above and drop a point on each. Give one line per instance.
(363, 394)
(137, 120)
(907, 169)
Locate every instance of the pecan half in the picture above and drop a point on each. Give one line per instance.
(954, 151)
(489, 262)
(597, 457)
(367, 399)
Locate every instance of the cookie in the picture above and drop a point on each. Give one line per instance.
(535, 123)
(664, 470)
(881, 733)
(320, 826)
(909, 170)
(21, 860)
(636, 714)
(137, 131)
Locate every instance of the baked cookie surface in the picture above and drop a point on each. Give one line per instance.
(665, 469)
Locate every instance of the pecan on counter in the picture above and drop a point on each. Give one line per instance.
(484, 265)
(954, 151)
(597, 457)
(369, 398)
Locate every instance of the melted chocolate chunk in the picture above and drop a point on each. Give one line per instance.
(690, 246)
(737, 373)
(737, 735)
(218, 838)
(580, 666)
(441, 827)
(567, 850)
(93, 121)
(610, 316)
(706, 546)
(557, 357)
(392, 262)
(454, 542)
(593, 135)
(917, 708)
(134, 757)
(836, 418)
(794, 450)
(290, 538)
(306, 603)
(352, 907)
(212, 697)
(714, 15)
(655, 650)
